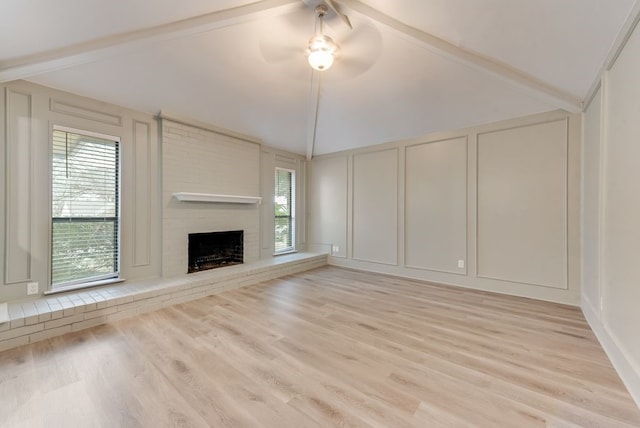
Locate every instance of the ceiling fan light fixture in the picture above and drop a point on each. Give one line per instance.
(321, 52)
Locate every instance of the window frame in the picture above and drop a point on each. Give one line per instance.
(107, 278)
(292, 212)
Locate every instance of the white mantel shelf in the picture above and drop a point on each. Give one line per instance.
(213, 198)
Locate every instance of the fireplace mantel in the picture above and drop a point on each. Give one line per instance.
(214, 198)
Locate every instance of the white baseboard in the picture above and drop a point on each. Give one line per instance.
(4, 313)
(625, 367)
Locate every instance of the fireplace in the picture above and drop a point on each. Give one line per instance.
(215, 249)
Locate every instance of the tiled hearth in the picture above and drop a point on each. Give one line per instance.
(50, 316)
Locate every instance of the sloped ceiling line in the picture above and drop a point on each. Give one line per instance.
(537, 88)
(621, 40)
(315, 91)
(111, 46)
(128, 42)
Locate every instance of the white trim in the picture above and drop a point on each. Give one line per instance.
(628, 372)
(285, 252)
(83, 285)
(96, 280)
(176, 118)
(620, 42)
(294, 223)
(215, 198)
(86, 133)
(539, 89)
(4, 313)
(125, 43)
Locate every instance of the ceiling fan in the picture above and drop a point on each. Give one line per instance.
(348, 49)
(322, 51)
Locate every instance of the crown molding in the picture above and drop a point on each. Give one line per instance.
(623, 36)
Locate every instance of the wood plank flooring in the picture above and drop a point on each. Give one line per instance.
(328, 347)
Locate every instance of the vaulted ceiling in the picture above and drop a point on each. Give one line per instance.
(408, 67)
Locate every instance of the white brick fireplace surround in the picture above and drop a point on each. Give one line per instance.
(199, 161)
(35, 320)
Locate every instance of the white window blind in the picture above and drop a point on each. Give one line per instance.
(84, 208)
(284, 210)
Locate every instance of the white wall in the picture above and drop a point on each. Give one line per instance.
(28, 113)
(327, 205)
(521, 210)
(611, 205)
(436, 205)
(503, 199)
(191, 159)
(375, 202)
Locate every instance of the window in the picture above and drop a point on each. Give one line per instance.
(85, 205)
(285, 208)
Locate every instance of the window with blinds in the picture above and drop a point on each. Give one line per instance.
(284, 210)
(85, 194)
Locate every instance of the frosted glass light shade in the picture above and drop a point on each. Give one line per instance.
(321, 50)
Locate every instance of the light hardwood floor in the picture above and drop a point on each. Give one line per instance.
(328, 347)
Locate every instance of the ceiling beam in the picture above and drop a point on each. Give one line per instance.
(110, 46)
(537, 88)
(633, 19)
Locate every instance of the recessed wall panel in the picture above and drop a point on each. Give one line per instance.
(436, 205)
(375, 207)
(620, 251)
(591, 202)
(522, 204)
(18, 191)
(328, 206)
(142, 199)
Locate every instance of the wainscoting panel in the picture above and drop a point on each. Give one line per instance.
(58, 106)
(436, 206)
(18, 178)
(328, 206)
(142, 194)
(522, 204)
(375, 207)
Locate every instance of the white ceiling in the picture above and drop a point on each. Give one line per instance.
(409, 67)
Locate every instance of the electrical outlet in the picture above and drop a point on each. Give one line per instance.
(461, 264)
(32, 288)
(335, 249)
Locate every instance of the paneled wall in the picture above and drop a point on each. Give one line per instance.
(521, 209)
(611, 206)
(154, 225)
(28, 113)
(375, 205)
(436, 205)
(327, 205)
(493, 207)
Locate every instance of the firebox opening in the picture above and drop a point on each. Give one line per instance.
(215, 249)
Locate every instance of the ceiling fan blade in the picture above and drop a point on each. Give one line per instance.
(334, 6)
(288, 43)
(359, 50)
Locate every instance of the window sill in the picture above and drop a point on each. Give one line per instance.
(84, 285)
(282, 253)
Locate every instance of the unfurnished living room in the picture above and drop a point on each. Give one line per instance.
(318, 213)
